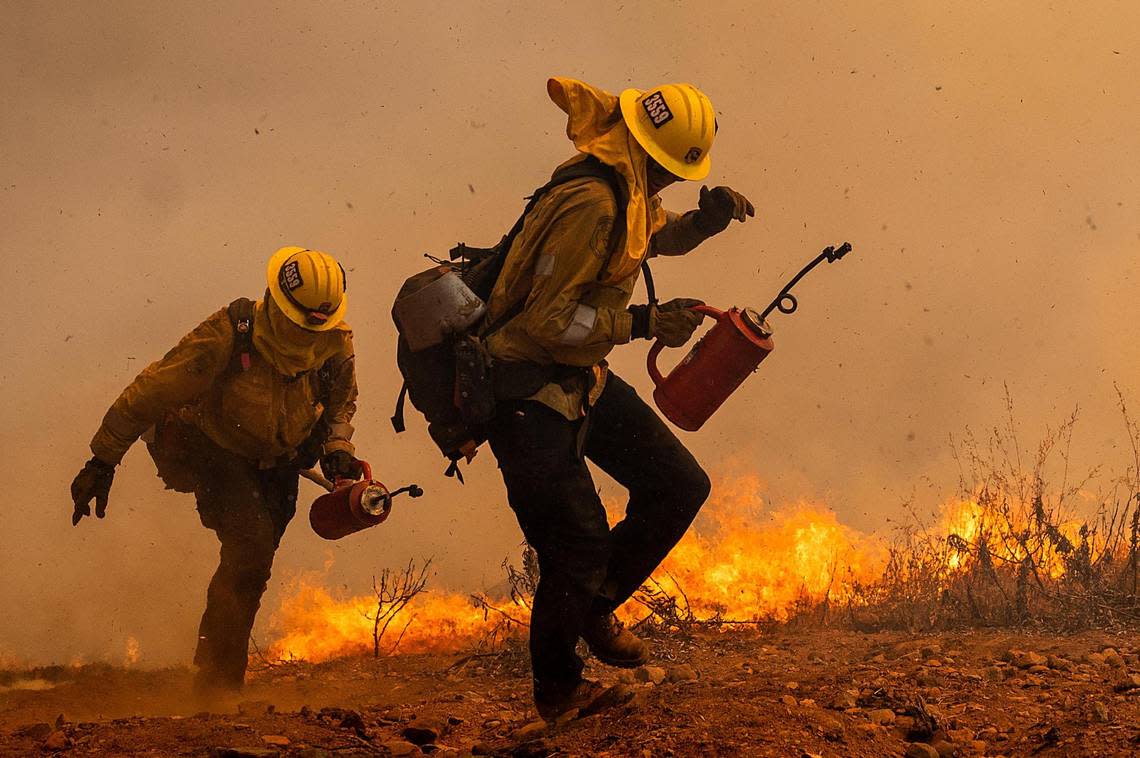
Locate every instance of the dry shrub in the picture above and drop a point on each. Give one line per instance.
(507, 620)
(1031, 544)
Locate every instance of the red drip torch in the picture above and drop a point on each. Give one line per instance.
(351, 506)
(724, 357)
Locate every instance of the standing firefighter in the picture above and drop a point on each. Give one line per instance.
(256, 393)
(559, 306)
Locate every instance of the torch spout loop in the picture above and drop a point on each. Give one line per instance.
(414, 490)
(786, 302)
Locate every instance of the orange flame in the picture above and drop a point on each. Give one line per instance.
(133, 652)
(737, 563)
(1003, 526)
(317, 627)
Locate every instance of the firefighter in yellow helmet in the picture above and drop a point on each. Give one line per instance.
(560, 305)
(254, 394)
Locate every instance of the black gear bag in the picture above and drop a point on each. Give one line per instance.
(451, 383)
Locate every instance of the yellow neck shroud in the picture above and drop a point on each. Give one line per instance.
(292, 349)
(595, 126)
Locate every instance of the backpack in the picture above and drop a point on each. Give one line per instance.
(437, 378)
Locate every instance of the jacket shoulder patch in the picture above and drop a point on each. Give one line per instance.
(600, 239)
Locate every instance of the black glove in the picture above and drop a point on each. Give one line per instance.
(309, 452)
(92, 481)
(339, 465)
(676, 321)
(717, 207)
(673, 322)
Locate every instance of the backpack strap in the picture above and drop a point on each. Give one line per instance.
(241, 318)
(398, 417)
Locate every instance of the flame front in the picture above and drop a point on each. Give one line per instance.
(743, 570)
(736, 563)
(318, 627)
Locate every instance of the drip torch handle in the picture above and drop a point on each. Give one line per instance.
(366, 476)
(658, 346)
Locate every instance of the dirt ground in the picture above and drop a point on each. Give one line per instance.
(781, 693)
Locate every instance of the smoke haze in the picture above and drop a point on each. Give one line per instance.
(981, 157)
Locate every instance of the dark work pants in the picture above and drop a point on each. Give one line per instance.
(249, 508)
(585, 566)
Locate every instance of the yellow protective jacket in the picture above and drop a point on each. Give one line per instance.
(258, 413)
(571, 317)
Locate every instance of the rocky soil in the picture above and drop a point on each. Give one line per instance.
(783, 693)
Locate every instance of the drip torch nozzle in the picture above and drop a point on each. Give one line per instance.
(786, 302)
(838, 252)
(413, 490)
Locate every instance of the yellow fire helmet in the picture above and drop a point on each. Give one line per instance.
(675, 124)
(308, 286)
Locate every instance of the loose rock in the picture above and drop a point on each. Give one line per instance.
(921, 750)
(831, 728)
(529, 731)
(276, 740)
(1059, 664)
(57, 740)
(681, 673)
(420, 735)
(844, 700)
(1127, 682)
(651, 674)
(619, 694)
(945, 748)
(1028, 660)
(400, 747)
(882, 716)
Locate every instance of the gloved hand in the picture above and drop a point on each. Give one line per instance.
(673, 322)
(717, 207)
(92, 482)
(339, 465)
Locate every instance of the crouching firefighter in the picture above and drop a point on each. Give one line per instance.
(559, 305)
(254, 394)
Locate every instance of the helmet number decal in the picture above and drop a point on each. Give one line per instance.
(290, 276)
(657, 110)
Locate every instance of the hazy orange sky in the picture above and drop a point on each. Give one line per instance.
(981, 157)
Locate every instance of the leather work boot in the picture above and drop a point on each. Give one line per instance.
(613, 644)
(582, 696)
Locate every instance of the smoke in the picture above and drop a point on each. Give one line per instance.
(980, 157)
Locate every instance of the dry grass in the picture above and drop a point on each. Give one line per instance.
(1041, 548)
(1037, 547)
